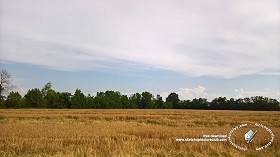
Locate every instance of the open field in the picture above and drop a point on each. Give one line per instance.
(44, 132)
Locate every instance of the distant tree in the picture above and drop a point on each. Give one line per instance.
(231, 104)
(135, 100)
(187, 104)
(239, 104)
(125, 101)
(111, 99)
(5, 83)
(50, 96)
(173, 98)
(147, 100)
(65, 100)
(167, 105)
(264, 103)
(46, 88)
(52, 99)
(78, 100)
(159, 103)
(247, 101)
(218, 103)
(200, 103)
(14, 100)
(274, 105)
(34, 98)
(114, 99)
(101, 100)
(90, 102)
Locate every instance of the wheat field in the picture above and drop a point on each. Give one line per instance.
(129, 132)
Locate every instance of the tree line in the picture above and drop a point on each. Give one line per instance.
(47, 97)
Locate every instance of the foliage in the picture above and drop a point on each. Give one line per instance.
(34, 99)
(49, 98)
(14, 100)
(147, 101)
(78, 99)
(173, 98)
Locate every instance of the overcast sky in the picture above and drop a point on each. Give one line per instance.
(202, 48)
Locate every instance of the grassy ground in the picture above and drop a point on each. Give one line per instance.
(42, 132)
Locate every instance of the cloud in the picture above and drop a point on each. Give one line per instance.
(189, 93)
(197, 38)
(201, 92)
(241, 93)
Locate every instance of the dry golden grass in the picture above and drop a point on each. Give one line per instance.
(43, 132)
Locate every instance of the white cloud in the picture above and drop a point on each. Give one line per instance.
(189, 93)
(201, 92)
(213, 38)
(241, 93)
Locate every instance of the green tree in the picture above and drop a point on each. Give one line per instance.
(78, 100)
(135, 100)
(187, 104)
(2, 103)
(218, 103)
(125, 101)
(159, 103)
(200, 103)
(90, 102)
(231, 104)
(65, 100)
(274, 105)
(168, 105)
(113, 99)
(147, 100)
(46, 89)
(101, 100)
(34, 98)
(52, 99)
(14, 100)
(173, 98)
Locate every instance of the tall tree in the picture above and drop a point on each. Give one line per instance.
(200, 103)
(51, 99)
(50, 96)
(46, 88)
(65, 100)
(13, 100)
(147, 100)
(78, 99)
(5, 83)
(135, 100)
(159, 103)
(34, 98)
(218, 103)
(173, 98)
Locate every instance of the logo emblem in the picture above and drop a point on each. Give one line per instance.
(249, 136)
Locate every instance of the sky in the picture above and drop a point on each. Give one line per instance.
(202, 48)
